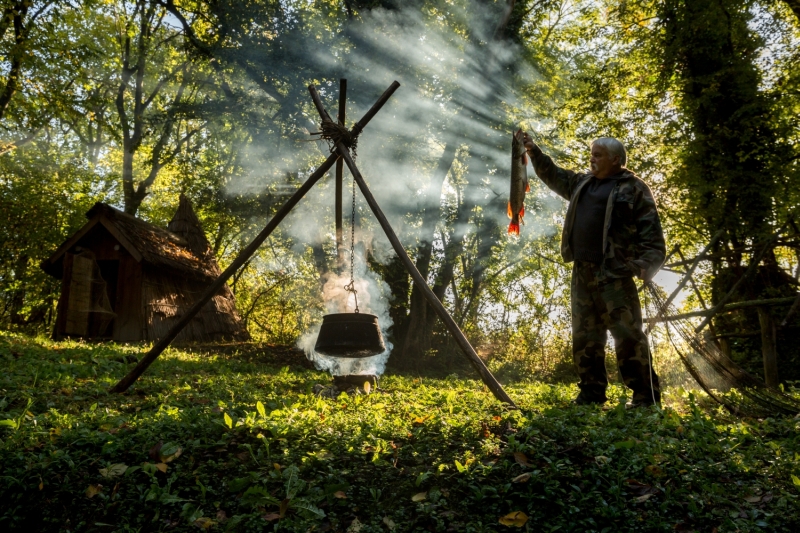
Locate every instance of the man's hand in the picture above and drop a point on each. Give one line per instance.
(530, 146)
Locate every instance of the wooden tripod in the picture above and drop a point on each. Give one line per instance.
(341, 153)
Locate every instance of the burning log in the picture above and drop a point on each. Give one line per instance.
(354, 380)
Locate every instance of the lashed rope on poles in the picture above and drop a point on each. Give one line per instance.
(335, 133)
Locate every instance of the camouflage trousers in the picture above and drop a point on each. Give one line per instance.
(600, 305)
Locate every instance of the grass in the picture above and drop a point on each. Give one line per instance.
(229, 441)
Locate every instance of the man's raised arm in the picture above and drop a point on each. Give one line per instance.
(560, 180)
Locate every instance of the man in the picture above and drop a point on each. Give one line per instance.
(612, 232)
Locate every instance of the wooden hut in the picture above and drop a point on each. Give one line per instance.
(125, 279)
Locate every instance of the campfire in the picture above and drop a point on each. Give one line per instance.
(350, 384)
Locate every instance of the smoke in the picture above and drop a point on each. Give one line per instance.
(459, 87)
(373, 297)
(457, 93)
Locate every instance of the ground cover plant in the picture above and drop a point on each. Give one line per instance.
(231, 441)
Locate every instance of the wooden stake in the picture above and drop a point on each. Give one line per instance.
(244, 255)
(487, 377)
(340, 249)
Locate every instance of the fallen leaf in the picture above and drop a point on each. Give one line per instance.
(637, 488)
(355, 526)
(522, 478)
(420, 496)
(522, 459)
(340, 494)
(367, 387)
(204, 522)
(654, 470)
(389, 523)
(93, 490)
(269, 517)
(602, 460)
(276, 466)
(221, 516)
(642, 498)
(113, 470)
(515, 519)
(753, 499)
(162, 467)
(169, 452)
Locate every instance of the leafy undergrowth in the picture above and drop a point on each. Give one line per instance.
(230, 442)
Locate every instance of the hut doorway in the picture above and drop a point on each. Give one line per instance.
(109, 272)
(89, 313)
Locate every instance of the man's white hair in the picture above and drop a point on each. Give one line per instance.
(614, 147)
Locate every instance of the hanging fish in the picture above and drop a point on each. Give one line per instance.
(519, 183)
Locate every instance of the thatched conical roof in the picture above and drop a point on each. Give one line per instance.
(186, 224)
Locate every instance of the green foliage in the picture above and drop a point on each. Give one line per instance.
(27, 294)
(233, 443)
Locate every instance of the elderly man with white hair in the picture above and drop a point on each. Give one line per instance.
(612, 232)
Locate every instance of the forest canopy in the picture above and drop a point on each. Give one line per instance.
(134, 102)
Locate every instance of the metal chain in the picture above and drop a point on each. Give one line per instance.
(350, 287)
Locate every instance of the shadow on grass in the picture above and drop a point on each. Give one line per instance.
(259, 451)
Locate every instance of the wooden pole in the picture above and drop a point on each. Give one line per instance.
(487, 377)
(751, 269)
(243, 256)
(721, 342)
(769, 348)
(792, 311)
(728, 307)
(683, 282)
(340, 181)
(691, 269)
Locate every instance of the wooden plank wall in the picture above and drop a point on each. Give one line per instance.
(130, 323)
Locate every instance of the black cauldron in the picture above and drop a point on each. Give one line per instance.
(350, 335)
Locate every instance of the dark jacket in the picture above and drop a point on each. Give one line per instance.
(632, 234)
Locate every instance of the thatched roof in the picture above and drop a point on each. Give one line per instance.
(184, 250)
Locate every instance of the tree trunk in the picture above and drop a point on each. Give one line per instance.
(20, 11)
(18, 294)
(769, 348)
(415, 346)
(399, 282)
